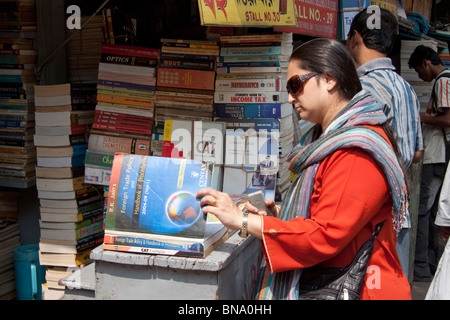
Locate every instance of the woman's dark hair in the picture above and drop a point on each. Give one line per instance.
(380, 39)
(423, 52)
(327, 56)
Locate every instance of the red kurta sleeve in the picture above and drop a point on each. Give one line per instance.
(349, 191)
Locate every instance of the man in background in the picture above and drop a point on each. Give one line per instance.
(436, 133)
(370, 47)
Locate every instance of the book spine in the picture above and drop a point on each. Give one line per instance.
(79, 129)
(249, 69)
(110, 223)
(126, 109)
(257, 124)
(90, 241)
(91, 213)
(97, 176)
(192, 51)
(17, 52)
(99, 159)
(186, 78)
(127, 78)
(91, 199)
(128, 60)
(19, 66)
(77, 161)
(248, 110)
(252, 58)
(135, 249)
(250, 64)
(12, 136)
(238, 97)
(253, 76)
(208, 65)
(110, 26)
(125, 85)
(10, 106)
(110, 144)
(189, 45)
(127, 69)
(124, 122)
(244, 51)
(76, 139)
(248, 85)
(187, 56)
(11, 78)
(132, 51)
(118, 127)
(117, 116)
(253, 37)
(126, 93)
(149, 243)
(13, 173)
(253, 44)
(115, 133)
(13, 143)
(174, 98)
(12, 124)
(126, 100)
(17, 116)
(89, 230)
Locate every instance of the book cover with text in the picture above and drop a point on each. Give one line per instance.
(155, 195)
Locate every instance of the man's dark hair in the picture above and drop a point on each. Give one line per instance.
(423, 52)
(379, 39)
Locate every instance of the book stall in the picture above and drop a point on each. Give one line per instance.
(158, 101)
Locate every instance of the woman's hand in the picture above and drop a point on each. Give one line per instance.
(222, 206)
(269, 203)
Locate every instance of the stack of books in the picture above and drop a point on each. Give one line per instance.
(83, 50)
(125, 108)
(250, 95)
(71, 212)
(185, 84)
(9, 241)
(423, 89)
(17, 61)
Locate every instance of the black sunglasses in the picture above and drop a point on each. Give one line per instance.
(296, 83)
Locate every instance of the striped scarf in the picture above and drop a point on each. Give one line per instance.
(347, 130)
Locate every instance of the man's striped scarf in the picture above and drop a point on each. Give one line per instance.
(345, 131)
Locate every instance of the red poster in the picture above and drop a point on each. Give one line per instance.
(317, 18)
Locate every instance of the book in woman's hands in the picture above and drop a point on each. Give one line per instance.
(152, 205)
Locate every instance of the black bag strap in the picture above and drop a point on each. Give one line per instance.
(377, 230)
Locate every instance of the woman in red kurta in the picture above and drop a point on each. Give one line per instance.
(345, 190)
(350, 198)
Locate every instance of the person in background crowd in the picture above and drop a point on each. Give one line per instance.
(436, 132)
(370, 49)
(349, 179)
(440, 286)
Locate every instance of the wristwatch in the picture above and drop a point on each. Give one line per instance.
(243, 233)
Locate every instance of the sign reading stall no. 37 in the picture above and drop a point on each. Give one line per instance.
(248, 12)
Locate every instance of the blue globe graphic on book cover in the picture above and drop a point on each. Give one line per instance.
(183, 208)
